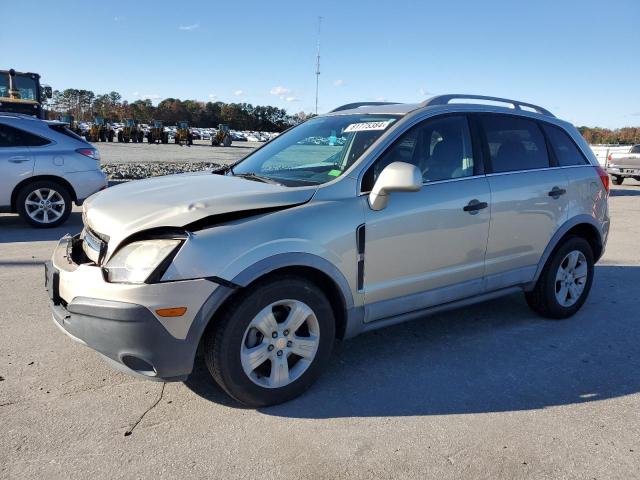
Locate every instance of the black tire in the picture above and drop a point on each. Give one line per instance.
(120, 137)
(617, 179)
(223, 340)
(26, 191)
(542, 299)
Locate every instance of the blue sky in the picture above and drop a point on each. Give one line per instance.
(580, 59)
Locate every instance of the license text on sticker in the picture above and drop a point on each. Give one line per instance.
(366, 126)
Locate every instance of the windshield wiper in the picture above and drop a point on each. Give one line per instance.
(255, 176)
(222, 169)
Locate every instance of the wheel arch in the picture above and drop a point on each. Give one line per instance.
(582, 226)
(318, 270)
(37, 178)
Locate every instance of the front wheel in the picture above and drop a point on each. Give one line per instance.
(272, 342)
(565, 281)
(617, 180)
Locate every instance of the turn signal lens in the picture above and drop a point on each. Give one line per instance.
(171, 312)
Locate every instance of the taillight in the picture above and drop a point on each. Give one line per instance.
(89, 152)
(604, 177)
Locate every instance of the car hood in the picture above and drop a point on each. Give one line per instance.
(178, 200)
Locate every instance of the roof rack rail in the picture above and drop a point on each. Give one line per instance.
(349, 106)
(445, 99)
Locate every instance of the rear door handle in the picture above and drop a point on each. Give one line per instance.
(556, 192)
(474, 206)
(19, 159)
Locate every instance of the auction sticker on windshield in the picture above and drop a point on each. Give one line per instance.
(367, 126)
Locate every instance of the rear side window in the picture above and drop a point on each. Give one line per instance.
(514, 143)
(564, 148)
(14, 137)
(635, 149)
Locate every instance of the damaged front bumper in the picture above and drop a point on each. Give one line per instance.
(120, 320)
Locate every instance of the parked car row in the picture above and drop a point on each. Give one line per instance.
(197, 133)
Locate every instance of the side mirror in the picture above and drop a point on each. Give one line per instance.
(396, 177)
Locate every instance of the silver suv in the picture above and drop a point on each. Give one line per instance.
(368, 216)
(44, 168)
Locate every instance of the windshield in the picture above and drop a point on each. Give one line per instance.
(25, 85)
(317, 151)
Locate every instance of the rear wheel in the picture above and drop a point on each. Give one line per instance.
(617, 180)
(565, 281)
(44, 204)
(272, 342)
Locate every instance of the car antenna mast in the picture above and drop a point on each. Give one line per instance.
(318, 63)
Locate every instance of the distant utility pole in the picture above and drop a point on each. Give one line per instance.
(318, 63)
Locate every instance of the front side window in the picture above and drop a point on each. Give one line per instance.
(14, 137)
(317, 151)
(564, 148)
(514, 143)
(441, 148)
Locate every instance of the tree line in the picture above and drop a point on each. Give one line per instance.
(622, 136)
(85, 105)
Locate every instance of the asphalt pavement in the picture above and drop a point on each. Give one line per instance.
(490, 391)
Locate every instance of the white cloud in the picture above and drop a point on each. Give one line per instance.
(151, 96)
(339, 83)
(187, 28)
(135, 94)
(292, 99)
(237, 93)
(424, 92)
(213, 96)
(280, 91)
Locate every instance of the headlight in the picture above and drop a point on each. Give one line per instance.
(134, 263)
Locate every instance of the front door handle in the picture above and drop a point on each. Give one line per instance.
(556, 192)
(474, 206)
(18, 159)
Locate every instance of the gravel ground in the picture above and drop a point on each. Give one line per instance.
(133, 161)
(200, 152)
(486, 392)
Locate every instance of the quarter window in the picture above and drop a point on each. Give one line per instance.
(14, 137)
(440, 148)
(514, 143)
(564, 148)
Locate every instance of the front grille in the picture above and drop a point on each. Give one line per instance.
(93, 245)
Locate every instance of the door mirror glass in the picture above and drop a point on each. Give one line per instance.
(396, 177)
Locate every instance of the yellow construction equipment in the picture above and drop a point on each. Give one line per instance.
(183, 134)
(100, 131)
(222, 136)
(22, 93)
(130, 132)
(157, 134)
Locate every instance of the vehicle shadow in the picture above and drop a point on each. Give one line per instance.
(626, 192)
(13, 229)
(493, 357)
